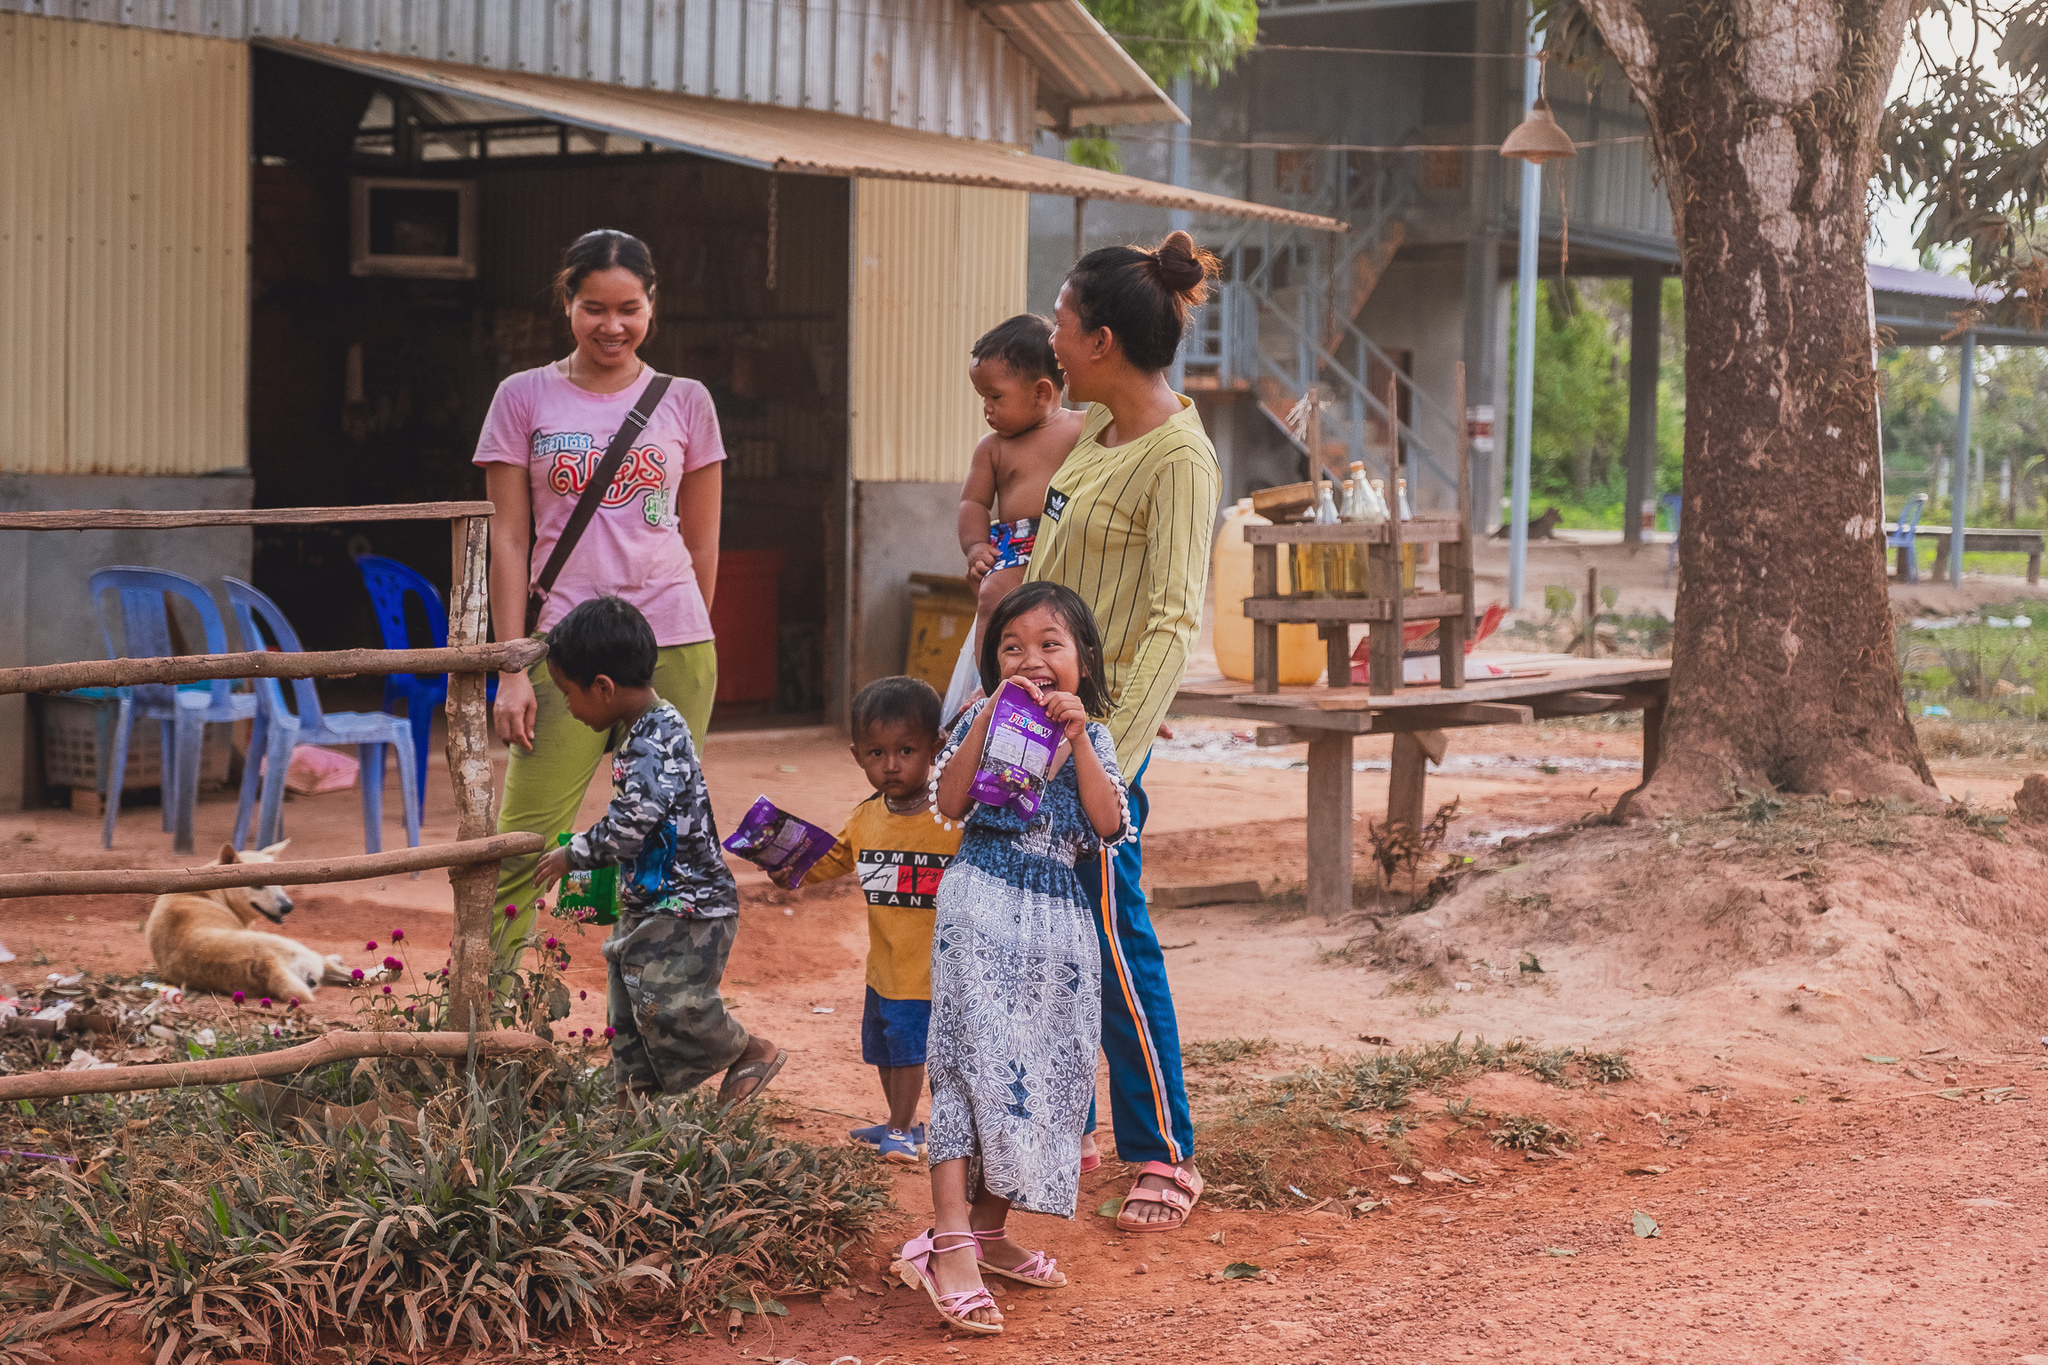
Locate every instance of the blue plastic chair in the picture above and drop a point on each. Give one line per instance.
(1672, 502)
(1901, 537)
(388, 582)
(183, 713)
(280, 729)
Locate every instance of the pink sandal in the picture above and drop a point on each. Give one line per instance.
(913, 1265)
(1038, 1270)
(1181, 1196)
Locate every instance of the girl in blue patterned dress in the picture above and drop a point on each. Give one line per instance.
(1016, 982)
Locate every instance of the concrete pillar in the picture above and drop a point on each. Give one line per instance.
(1645, 331)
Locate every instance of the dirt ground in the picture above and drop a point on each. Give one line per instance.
(1812, 1204)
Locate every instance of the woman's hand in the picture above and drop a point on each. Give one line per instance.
(553, 863)
(514, 712)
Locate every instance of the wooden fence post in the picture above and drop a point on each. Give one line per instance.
(469, 765)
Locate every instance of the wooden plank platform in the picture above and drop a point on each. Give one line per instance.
(1417, 717)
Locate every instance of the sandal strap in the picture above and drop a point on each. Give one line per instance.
(1038, 1266)
(992, 1235)
(1172, 1198)
(966, 1301)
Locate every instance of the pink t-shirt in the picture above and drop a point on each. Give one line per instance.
(632, 547)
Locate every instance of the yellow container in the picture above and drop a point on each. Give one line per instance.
(941, 614)
(1302, 655)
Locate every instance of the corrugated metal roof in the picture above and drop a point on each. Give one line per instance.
(798, 141)
(1084, 75)
(914, 63)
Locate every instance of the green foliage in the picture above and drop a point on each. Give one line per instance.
(1964, 140)
(1174, 38)
(2009, 422)
(491, 1206)
(1094, 149)
(1579, 428)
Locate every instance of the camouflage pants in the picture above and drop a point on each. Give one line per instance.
(671, 1029)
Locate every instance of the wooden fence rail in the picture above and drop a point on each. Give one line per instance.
(335, 1047)
(331, 663)
(124, 519)
(353, 868)
(466, 660)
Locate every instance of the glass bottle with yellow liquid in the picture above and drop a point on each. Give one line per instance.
(1361, 508)
(1318, 569)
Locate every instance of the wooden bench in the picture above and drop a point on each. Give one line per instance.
(2009, 540)
(1329, 719)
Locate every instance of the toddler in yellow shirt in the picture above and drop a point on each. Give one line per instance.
(899, 852)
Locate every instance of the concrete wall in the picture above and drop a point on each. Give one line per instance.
(898, 529)
(47, 615)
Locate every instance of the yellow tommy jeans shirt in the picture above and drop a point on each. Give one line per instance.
(899, 860)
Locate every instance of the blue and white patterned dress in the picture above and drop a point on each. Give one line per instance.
(1017, 992)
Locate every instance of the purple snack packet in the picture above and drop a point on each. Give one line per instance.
(777, 841)
(1014, 761)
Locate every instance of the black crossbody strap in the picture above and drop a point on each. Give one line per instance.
(601, 480)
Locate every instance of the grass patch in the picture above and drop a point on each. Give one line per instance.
(1529, 1132)
(1312, 1135)
(504, 1203)
(1221, 1051)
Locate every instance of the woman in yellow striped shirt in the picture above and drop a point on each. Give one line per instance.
(1127, 526)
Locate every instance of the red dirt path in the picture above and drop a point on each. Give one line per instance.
(1883, 1228)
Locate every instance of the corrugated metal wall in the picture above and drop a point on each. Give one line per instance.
(124, 191)
(916, 63)
(935, 266)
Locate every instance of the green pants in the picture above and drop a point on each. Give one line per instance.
(671, 1030)
(544, 786)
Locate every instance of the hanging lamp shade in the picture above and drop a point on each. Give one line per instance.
(1539, 138)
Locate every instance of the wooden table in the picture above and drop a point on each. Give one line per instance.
(1327, 719)
(2011, 540)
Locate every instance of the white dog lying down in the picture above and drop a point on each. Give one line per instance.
(200, 942)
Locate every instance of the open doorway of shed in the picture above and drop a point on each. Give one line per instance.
(368, 389)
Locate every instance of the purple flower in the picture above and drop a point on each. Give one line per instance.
(393, 964)
(266, 1002)
(583, 995)
(553, 943)
(387, 990)
(410, 1008)
(356, 975)
(611, 1032)
(398, 935)
(238, 997)
(587, 1033)
(511, 912)
(293, 1004)
(371, 946)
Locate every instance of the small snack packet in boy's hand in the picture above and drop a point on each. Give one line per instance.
(777, 841)
(591, 896)
(1018, 754)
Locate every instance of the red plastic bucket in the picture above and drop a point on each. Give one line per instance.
(744, 619)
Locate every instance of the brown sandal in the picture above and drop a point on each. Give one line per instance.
(760, 1073)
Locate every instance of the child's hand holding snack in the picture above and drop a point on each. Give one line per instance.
(1063, 709)
(554, 865)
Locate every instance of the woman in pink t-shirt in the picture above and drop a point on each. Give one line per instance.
(654, 540)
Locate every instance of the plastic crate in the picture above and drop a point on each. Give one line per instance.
(78, 743)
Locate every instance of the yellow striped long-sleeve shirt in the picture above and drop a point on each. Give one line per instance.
(1128, 528)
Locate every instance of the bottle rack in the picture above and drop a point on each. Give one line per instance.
(1384, 609)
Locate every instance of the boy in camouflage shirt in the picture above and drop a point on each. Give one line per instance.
(678, 905)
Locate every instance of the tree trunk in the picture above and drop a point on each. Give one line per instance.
(1764, 119)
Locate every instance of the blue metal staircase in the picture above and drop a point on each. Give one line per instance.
(1283, 320)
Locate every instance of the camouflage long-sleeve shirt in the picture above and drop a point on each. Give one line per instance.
(659, 829)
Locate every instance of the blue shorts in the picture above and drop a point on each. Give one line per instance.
(892, 1032)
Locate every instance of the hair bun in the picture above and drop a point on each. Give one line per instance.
(1184, 267)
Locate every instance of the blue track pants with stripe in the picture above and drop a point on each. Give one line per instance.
(1148, 1104)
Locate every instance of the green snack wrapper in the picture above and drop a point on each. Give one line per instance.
(595, 891)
